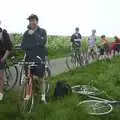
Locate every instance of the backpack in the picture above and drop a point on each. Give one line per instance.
(62, 89)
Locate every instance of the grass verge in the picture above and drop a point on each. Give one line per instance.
(103, 75)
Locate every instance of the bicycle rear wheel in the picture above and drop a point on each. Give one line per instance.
(25, 106)
(11, 77)
(71, 62)
(85, 90)
(95, 107)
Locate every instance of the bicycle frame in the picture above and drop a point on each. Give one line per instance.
(29, 83)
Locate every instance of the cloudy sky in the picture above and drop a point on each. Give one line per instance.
(60, 17)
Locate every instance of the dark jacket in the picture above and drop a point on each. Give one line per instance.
(5, 43)
(73, 37)
(34, 45)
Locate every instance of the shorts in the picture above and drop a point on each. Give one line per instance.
(102, 51)
(38, 70)
(92, 49)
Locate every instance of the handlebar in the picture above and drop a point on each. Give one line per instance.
(28, 63)
(31, 63)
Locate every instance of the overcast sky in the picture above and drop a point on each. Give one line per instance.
(60, 17)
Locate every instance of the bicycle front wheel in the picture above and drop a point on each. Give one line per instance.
(95, 107)
(11, 77)
(71, 62)
(25, 106)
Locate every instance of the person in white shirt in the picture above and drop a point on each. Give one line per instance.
(92, 48)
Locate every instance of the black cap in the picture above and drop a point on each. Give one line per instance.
(33, 16)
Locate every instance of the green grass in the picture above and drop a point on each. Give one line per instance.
(103, 75)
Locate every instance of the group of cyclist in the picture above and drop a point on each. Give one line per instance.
(97, 49)
(34, 44)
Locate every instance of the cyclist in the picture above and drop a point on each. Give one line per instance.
(92, 49)
(76, 40)
(117, 42)
(76, 43)
(104, 47)
(5, 49)
(34, 41)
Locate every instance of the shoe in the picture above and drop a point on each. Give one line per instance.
(27, 97)
(43, 99)
(1, 96)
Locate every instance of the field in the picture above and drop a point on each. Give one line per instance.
(103, 75)
(58, 46)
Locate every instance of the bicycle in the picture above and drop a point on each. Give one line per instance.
(98, 106)
(11, 74)
(31, 86)
(22, 71)
(75, 59)
(95, 105)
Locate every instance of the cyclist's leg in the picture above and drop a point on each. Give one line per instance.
(1, 80)
(108, 53)
(42, 86)
(74, 55)
(80, 56)
(74, 50)
(106, 47)
(28, 87)
(89, 53)
(94, 53)
(101, 53)
(42, 80)
(2, 67)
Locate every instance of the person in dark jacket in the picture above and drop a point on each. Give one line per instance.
(34, 44)
(5, 49)
(76, 39)
(34, 40)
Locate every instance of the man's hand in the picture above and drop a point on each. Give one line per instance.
(5, 56)
(2, 60)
